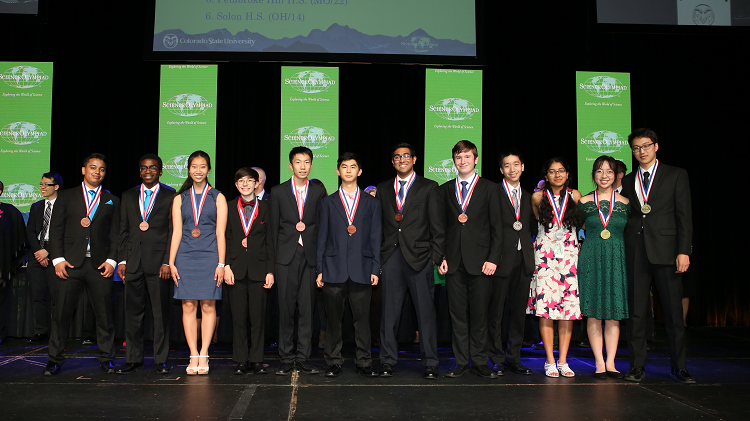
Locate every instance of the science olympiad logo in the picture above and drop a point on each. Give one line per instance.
(703, 15)
(309, 136)
(604, 142)
(22, 133)
(603, 87)
(454, 109)
(23, 77)
(21, 194)
(419, 44)
(170, 41)
(444, 170)
(187, 105)
(176, 166)
(310, 82)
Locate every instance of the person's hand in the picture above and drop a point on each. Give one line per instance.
(228, 275)
(488, 268)
(219, 276)
(443, 268)
(121, 272)
(175, 274)
(373, 280)
(683, 262)
(319, 280)
(164, 272)
(108, 270)
(61, 269)
(44, 263)
(41, 255)
(269, 281)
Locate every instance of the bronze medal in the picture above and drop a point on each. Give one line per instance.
(605, 234)
(517, 225)
(300, 226)
(399, 216)
(143, 226)
(351, 229)
(463, 218)
(645, 209)
(244, 242)
(195, 233)
(85, 221)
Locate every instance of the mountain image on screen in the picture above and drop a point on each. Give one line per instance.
(335, 39)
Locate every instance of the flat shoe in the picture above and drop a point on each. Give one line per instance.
(550, 370)
(565, 370)
(615, 374)
(600, 376)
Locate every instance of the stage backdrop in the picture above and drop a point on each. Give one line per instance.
(187, 118)
(25, 116)
(603, 116)
(453, 112)
(310, 117)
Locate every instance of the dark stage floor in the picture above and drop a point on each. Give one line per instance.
(719, 358)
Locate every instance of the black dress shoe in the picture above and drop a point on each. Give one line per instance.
(430, 372)
(499, 369)
(306, 368)
(457, 371)
(258, 368)
(615, 374)
(285, 369)
(367, 371)
(128, 368)
(38, 338)
(484, 371)
(163, 368)
(333, 370)
(88, 341)
(240, 369)
(683, 376)
(517, 368)
(51, 369)
(386, 370)
(107, 367)
(635, 374)
(600, 376)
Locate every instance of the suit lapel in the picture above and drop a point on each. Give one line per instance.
(412, 191)
(340, 207)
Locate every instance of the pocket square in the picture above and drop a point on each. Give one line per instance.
(109, 202)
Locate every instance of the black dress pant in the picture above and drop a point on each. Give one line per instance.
(469, 300)
(296, 286)
(137, 285)
(66, 293)
(511, 292)
(247, 298)
(669, 285)
(397, 278)
(40, 279)
(359, 296)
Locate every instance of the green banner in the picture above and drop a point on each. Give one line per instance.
(187, 118)
(310, 117)
(603, 116)
(453, 112)
(25, 127)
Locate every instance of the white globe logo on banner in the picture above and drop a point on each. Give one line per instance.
(20, 194)
(703, 15)
(24, 77)
(420, 44)
(310, 82)
(187, 105)
(177, 166)
(170, 41)
(454, 109)
(603, 87)
(309, 136)
(444, 170)
(604, 142)
(22, 133)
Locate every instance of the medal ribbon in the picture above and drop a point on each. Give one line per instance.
(91, 203)
(145, 213)
(297, 197)
(247, 223)
(197, 210)
(464, 201)
(407, 186)
(605, 221)
(506, 187)
(647, 193)
(558, 212)
(350, 210)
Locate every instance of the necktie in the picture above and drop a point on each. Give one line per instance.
(45, 223)
(515, 200)
(464, 190)
(645, 181)
(401, 189)
(148, 199)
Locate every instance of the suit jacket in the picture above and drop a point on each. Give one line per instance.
(342, 256)
(284, 218)
(34, 227)
(668, 228)
(12, 241)
(480, 239)
(68, 239)
(419, 232)
(148, 248)
(511, 236)
(258, 259)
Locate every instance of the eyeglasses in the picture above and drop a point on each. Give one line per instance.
(244, 182)
(47, 184)
(150, 167)
(552, 173)
(404, 157)
(645, 147)
(602, 172)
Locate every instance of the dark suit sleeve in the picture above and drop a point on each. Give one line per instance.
(376, 234)
(683, 214)
(323, 235)
(496, 225)
(114, 230)
(57, 229)
(33, 228)
(436, 219)
(124, 230)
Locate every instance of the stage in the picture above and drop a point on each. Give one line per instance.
(719, 358)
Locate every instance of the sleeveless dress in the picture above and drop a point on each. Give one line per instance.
(554, 286)
(601, 268)
(197, 258)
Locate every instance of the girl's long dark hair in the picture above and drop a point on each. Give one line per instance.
(189, 181)
(572, 215)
